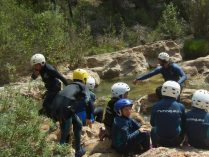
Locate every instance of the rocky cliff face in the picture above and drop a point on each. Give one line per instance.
(131, 61)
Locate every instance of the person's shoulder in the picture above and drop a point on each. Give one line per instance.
(120, 121)
(49, 67)
(175, 65)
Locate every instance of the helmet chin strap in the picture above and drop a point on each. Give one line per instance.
(120, 113)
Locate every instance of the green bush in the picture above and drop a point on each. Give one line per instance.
(170, 25)
(199, 18)
(195, 48)
(20, 128)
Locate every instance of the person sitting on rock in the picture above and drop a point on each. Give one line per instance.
(97, 113)
(128, 137)
(65, 106)
(197, 120)
(50, 77)
(170, 71)
(119, 90)
(168, 117)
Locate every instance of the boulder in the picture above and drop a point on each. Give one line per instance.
(117, 64)
(201, 64)
(69, 75)
(133, 60)
(175, 152)
(152, 50)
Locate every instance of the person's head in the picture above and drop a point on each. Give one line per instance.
(163, 58)
(80, 75)
(171, 89)
(37, 61)
(200, 99)
(123, 107)
(90, 83)
(120, 90)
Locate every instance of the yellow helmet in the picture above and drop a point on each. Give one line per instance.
(80, 74)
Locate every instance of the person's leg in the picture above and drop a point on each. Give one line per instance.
(98, 114)
(77, 127)
(145, 140)
(65, 126)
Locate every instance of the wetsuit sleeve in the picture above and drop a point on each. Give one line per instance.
(181, 73)
(150, 74)
(33, 76)
(135, 124)
(56, 74)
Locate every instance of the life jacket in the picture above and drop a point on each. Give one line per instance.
(65, 105)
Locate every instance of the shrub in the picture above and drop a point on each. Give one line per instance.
(199, 18)
(20, 128)
(170, 24)
(195, 48)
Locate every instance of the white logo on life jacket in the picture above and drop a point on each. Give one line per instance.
(195, 120)
(168, 111)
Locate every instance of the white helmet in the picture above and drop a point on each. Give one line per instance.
(171, 89)
(90, 83)
(119, 89)
(163, 56)
(200, 99)
(37, 59)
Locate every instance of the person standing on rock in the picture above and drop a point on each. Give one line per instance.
(82, 110)
(119, 90)
(197, 120)
(50, 77)
(170, 71)
(98, 111)
(65, 106)
(168, 117)
(128, 137)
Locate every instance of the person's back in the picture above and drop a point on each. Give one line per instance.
(197, 120)
(110, 113)
(168, 117)
(51, 76)
(65, 106)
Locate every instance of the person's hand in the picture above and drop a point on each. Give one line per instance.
(143, 130)
(89, 123)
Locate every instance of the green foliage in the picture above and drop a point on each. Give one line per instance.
(170, 24)
(20, 128)
(199, 18)
(195, 48)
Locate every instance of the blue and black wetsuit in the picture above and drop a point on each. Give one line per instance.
(110, 114)
(168, 122)
(126, 137)
(197, 128)
(50, 77)
(64, 108)
(85, 107)
(173, 72)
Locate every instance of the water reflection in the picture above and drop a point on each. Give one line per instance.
(143, 88)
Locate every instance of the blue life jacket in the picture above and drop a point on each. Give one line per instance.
(173, 72)
(123, 130)
(197, 126)
(168, 117)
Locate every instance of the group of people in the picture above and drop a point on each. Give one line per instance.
(74, 105)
